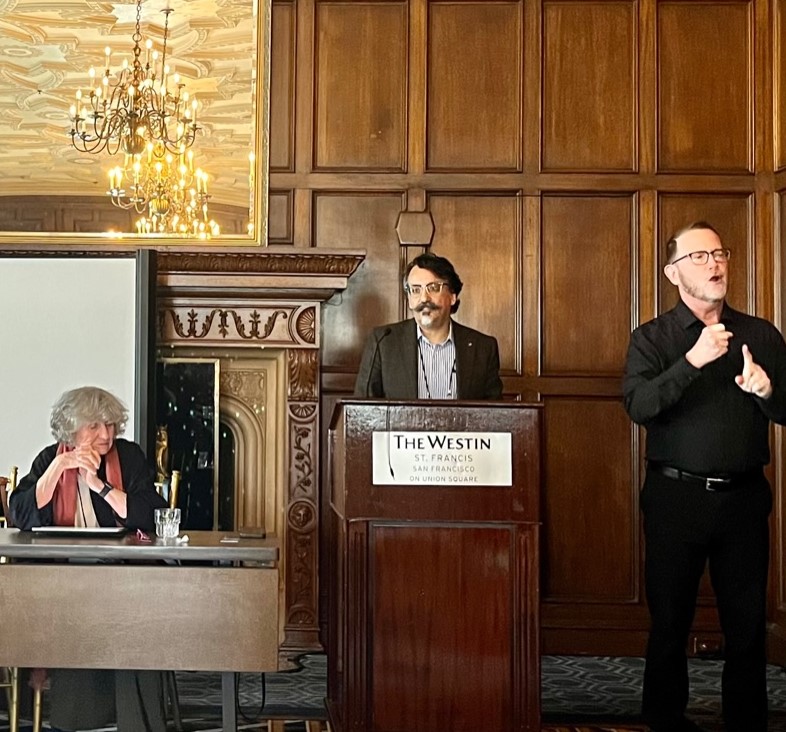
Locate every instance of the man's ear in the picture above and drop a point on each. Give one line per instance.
(670, 270)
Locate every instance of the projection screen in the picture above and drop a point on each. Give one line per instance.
(69, 321)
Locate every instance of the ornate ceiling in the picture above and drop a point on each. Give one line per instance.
(46, 50)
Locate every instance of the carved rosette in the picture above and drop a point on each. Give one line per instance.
(306, 326)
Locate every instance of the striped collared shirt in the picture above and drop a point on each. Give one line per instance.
(437, 368)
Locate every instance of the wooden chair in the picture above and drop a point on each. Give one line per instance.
(7, 485)
(9, 677)
(9, 680)
(174, 488)
(12, 677)
(170, 489)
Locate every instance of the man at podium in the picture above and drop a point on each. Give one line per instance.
(430, 356)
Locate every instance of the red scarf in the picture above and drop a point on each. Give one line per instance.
(66, 489)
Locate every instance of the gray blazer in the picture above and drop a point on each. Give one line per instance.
(389, 367)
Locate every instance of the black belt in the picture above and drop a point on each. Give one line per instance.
(725, 482)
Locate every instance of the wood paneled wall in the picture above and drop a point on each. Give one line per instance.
(556, 144)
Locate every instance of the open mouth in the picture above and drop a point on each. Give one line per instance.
(716, 278)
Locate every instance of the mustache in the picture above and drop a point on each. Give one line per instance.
(426, 306)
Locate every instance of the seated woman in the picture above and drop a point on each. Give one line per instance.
(91, 478)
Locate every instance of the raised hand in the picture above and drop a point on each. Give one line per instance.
(712, 344)
(753, 378)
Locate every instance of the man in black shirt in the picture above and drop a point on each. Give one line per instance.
(705, 380)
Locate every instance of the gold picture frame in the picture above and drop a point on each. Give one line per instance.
(57, 45)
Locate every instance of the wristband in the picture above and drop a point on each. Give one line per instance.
(105, 490)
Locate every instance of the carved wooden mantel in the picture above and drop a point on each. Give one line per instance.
(269, 297)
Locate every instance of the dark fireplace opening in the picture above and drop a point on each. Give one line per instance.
(226, 478)
(186, 408)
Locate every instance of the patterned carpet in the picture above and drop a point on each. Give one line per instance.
(597, 689)
(575, 691)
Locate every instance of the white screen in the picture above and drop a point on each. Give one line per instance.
(64, 322)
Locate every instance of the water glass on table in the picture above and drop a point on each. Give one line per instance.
(167, 523)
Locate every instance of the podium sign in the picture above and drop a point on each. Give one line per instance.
(442, 458)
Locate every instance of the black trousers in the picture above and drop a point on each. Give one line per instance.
(686, 526)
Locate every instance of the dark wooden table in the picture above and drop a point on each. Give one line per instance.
(204, 605)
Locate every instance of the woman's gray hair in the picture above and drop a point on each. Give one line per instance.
(85, 405)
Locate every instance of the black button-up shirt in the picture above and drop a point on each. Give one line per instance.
(700, 420)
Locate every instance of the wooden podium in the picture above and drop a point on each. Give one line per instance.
(434, 597)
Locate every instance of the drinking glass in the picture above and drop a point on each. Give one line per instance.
(167, 523)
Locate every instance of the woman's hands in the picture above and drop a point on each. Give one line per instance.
(84, 457)
(87, 460)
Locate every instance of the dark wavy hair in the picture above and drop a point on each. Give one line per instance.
(442, 268)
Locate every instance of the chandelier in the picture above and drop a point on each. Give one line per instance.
(166, 190)
(141, 102)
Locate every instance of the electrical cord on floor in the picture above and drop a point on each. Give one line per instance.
(258, 715)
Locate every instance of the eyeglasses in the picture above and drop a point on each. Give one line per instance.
(433, 288)
(719, 255)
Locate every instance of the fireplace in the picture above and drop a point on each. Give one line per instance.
(257, 316)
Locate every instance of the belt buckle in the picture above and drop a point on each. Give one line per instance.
(708, 483)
